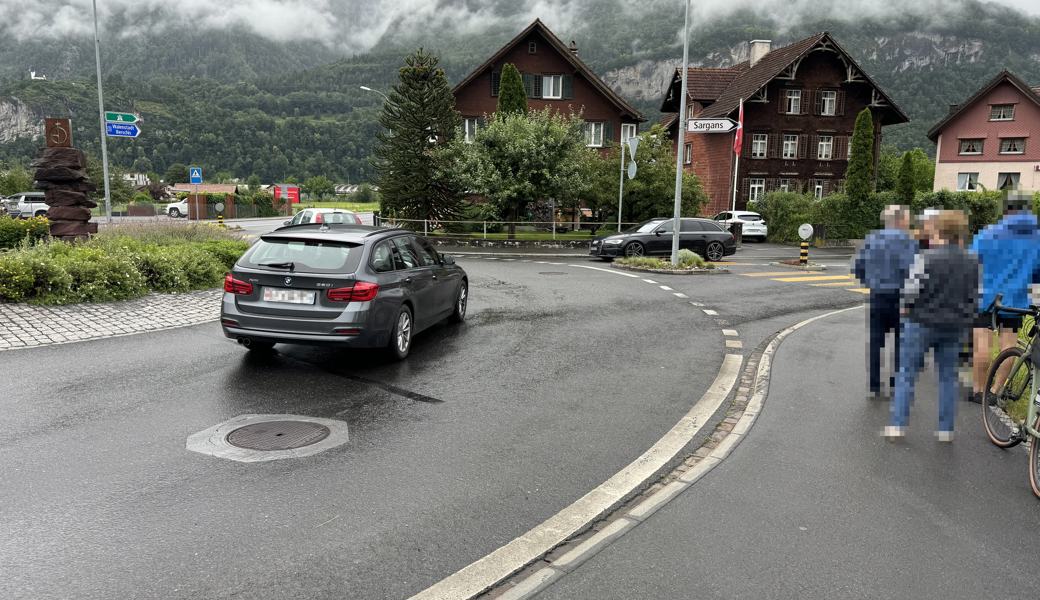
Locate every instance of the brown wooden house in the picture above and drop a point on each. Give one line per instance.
(554, 77)
(800, 106)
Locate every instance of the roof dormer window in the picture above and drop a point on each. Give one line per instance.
(532, 47)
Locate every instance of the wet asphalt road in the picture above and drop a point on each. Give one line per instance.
(814, 504)
(561, 377)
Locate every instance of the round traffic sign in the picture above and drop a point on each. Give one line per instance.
(805, 231)
(219, 207)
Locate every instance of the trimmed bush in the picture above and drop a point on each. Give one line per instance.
(16, 231)
(688, 259)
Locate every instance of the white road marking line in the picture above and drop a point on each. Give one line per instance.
(708, 311)
(613, 271)
(729, 332)
(650, 281)
(665, 288)
(490, 258)
(557, 264)
(696, 303)
(680, 295)
(508, 260)
(503, 562)
(540, 262)
(734, 344)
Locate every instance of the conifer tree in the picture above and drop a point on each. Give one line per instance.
(418, 119)
(905, 185)
(859, 178)
(512, 97)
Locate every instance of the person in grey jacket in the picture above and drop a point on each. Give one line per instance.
(938, 309)
(882, 265)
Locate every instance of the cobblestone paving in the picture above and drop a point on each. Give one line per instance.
(27, 325)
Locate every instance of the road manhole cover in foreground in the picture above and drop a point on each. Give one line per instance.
(278, 435)
(260, 438)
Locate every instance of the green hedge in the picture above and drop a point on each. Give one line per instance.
(118, 264)
(16, 231)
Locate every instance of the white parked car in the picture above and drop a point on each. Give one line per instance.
(753, 225)
(26, 204)
(177, 209)
(324, 215)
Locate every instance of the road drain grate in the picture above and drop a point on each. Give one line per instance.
(278, 435)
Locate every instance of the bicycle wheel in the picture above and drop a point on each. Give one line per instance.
(1034, 461)
(1002, 413)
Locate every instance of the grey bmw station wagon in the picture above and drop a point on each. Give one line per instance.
(343, 285)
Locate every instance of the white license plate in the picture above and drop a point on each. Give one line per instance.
(288, 296)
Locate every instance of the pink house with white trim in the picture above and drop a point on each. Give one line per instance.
(992, 140)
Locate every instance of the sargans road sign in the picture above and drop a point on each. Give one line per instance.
(711, 125)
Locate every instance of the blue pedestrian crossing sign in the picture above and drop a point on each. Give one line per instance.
(195, 175)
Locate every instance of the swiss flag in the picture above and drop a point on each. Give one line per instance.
(738, 137)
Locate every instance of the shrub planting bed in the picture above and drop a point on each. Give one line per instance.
(689, 263)
(119, 263)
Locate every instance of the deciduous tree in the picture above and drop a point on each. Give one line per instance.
(319, 186)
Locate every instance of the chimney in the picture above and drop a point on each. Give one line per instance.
(758, 49)
(573, 48)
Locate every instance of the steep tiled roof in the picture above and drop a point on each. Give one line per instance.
(770, 66)
(567, 55)
(1031, 93)
(707, 84)
(668, 119)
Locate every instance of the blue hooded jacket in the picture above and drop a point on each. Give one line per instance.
(1009, 254)
(884, 261)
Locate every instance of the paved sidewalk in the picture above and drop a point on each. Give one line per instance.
(29, 325)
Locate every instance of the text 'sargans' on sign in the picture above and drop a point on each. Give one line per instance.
(710, 125)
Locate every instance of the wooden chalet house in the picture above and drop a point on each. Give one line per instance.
(800, 106)
(554, 77)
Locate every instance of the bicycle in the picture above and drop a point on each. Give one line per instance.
(1010, 417)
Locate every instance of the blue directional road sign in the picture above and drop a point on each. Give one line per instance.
(195, 175)
(122, 130)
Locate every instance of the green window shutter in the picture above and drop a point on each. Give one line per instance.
(568, 87)
(481, 122)
(608, 132)
(496, 78)
(528, 84)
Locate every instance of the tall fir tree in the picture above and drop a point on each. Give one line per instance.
(859, 178)
(512, 96)
(419, 118)
(905, 185)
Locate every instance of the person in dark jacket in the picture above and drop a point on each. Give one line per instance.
(1009, 255)
(882, 265)
(938, 307)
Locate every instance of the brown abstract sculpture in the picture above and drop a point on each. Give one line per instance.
(61, 174)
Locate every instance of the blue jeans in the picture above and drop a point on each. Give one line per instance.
(883, 317)
(915, 340)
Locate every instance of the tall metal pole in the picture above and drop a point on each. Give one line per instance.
(101, 116)
(676, 226)
(621, 187)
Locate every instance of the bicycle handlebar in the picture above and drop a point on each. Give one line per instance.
(996, 307)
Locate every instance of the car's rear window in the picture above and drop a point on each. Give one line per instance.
(750, 218)
(309, 256)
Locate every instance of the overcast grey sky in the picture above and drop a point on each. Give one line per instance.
(358, 24)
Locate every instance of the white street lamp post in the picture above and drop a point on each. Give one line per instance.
(682, 138)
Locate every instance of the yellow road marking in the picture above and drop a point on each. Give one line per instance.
(769, 274)
(834, 284)
(815, 278)
(860, 290)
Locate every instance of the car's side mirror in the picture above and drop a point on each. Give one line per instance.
(658, 232)
(286, 222)
(447, 259)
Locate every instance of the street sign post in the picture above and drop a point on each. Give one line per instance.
(121, 130)
(711, 125)
(195, 175)
(119, 117)
(633, 145)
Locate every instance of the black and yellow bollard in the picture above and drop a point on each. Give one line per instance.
(220, 221)
(803, 259)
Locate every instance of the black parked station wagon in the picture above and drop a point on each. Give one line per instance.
(654, 237)
(343, 285)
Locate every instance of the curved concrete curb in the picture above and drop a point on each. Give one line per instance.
(809, 267)
(673, 484)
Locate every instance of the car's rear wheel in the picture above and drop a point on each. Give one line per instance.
(461, 302)
(41, 213)
(175, 213)
(635, 249)
(401, 338)
(714, 251)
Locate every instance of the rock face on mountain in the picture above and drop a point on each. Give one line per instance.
(18, 121)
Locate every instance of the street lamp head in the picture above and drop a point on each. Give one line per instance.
(366, 88)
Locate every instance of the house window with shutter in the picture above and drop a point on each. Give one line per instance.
(552, 87)
(784, 185)
(1002, 112)
(790, 151)
(828, 103)
(793, 102)
(469, 129)
(972, 146)
(594, 134)
(1012, 145)
(687, 154)
(628, 131)
(759, 143)
(756, 189)
(532, 47)
(825, 147)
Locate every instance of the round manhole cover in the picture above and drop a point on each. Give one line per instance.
(278, 435)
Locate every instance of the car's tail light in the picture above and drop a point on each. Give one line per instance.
(237, 286)
(318, 218)
(347, 331)
(229, 322)
(362, 291)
